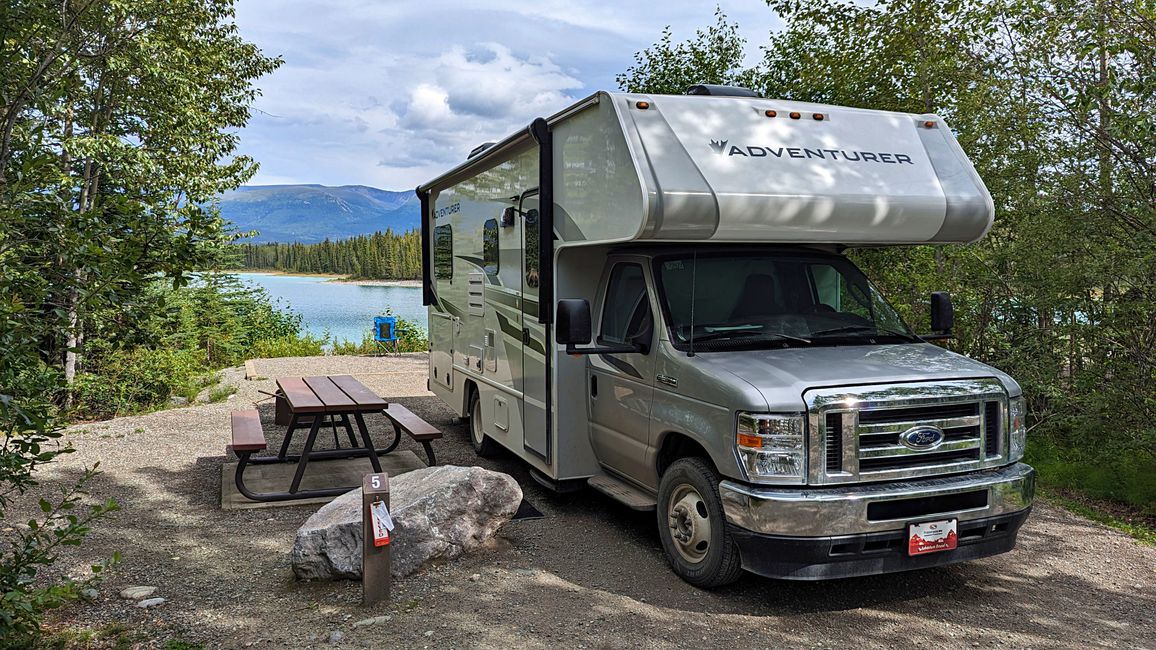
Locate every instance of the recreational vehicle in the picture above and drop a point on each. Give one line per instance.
(649, 295)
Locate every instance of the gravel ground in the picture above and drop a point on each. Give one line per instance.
(590, 574)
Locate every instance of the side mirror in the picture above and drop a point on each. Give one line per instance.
(572, 323)
(942, 312)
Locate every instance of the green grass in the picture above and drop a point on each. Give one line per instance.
(1139, 530)
(221, 393)
(114, 635)
(1112, 486)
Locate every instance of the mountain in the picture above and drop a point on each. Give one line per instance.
(312, 213)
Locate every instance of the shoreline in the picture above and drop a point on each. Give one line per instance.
(335, 277)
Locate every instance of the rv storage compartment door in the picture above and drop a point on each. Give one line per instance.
(441, 346)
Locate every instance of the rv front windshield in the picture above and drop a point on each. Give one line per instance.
(745, 300)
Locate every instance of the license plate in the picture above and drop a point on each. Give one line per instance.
(931, 537)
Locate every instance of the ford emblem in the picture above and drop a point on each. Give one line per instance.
(922, 438)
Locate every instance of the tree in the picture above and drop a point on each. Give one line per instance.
(713, 56)
(118, 127)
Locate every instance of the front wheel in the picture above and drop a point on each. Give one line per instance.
(482, 444)
(692, 525)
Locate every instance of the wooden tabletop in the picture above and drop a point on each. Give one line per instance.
(336, 394)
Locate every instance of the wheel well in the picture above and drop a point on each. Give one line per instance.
(471, 390)
(675, 446)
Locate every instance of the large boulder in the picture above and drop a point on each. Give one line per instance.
(439, 512)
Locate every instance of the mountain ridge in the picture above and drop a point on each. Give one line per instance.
(311, 212)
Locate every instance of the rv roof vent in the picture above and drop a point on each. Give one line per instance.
(720, 91)
(480, 148)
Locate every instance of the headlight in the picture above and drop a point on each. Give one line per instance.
(772, 447)
(1017, 418)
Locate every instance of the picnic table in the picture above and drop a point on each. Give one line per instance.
(314, 402)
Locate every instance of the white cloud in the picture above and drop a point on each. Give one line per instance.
(392, 94)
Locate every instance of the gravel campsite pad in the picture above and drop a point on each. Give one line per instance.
(591, 573)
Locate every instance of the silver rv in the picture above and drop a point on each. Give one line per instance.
(648, 294)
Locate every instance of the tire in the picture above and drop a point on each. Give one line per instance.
(482, 444)
(692, 525)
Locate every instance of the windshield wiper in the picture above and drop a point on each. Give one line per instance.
(717, 336)
(866, 328)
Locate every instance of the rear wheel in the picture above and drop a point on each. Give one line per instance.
(692, 525)
(481, 443)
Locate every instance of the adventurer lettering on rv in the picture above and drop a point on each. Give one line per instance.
(720, 147)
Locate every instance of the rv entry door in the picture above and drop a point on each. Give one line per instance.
(535, 368)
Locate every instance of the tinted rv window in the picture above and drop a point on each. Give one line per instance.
(490, 246)
(444, 252)
(626, 310)
(752, 299)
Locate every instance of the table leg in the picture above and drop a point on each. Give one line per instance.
(368, 443)
(349, 430)
(313, 428)
(293, 422)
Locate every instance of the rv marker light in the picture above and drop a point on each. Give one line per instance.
(642, 105)
(772, 113)
(795, 115)
(818, 117)
(929, 124)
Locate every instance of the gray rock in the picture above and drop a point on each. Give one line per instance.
(439, 512)
(335, 637)
(136, 593)
(89, 594)
(177, 400)
(150, 602)
(373, 621)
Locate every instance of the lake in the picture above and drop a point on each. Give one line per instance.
(342, 309)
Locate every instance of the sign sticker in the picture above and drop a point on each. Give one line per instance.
(382, 523)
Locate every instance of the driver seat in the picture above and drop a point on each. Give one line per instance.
(757, 299)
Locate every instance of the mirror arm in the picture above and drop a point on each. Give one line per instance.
(940, 336)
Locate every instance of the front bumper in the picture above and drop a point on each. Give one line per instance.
(877, 507)
(822, 533)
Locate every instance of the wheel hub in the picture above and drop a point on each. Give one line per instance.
(690, 524)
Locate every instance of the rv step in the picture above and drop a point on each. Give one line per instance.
(623, 492)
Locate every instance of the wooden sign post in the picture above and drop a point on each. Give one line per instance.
(376, 528)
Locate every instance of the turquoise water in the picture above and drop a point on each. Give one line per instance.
(343, 310)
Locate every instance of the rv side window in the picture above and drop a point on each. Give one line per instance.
(444, 252)
(490, 246)
(626, 309)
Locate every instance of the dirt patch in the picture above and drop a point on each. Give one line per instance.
(589, 574)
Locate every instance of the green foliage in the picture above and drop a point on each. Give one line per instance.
(1055, 103)
(65, 521)
(288, 346)
(167, 342)
(713, 56)
(118, 127)
(380, 256)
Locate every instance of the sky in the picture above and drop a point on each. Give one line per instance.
(391, 93)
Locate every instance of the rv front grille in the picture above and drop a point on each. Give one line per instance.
(991, 422)
(906, 430)
(833, 443)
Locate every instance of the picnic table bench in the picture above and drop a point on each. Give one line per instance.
(313, 402)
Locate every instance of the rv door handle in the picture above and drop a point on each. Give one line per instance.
(525, 335)
(593, 385)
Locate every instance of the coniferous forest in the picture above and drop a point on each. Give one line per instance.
(380, 256)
